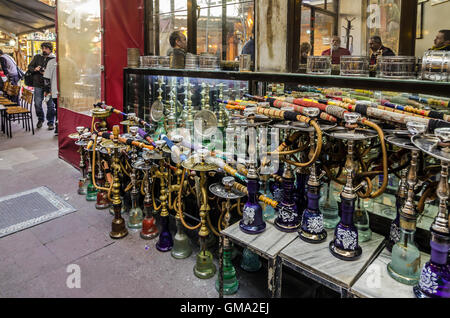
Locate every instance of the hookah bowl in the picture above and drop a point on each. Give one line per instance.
(435, 276)
(288, 219)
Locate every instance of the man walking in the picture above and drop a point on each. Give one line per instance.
(51, 87)
(37, 68)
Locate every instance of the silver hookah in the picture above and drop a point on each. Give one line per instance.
(184, 113)
(172, 117)
(222, 116)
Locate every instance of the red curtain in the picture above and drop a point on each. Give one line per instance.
(123, 23)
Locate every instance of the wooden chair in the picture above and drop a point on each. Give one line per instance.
(22, 113)
(11, 91)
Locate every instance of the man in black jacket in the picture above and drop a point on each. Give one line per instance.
(37, 67)
(378, 49)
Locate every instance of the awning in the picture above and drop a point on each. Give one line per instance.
(25, 16)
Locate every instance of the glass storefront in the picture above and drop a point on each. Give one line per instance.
(79, 51)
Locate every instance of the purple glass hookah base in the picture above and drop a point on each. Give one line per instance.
(345, 243)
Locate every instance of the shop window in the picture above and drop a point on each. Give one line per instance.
(169, 16)
(383, 19)
(79, 51)
(222, 26)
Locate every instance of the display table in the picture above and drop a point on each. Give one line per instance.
(377, 283)
(316, 262)
(267, 245)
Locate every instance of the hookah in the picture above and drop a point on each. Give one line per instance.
(135, 213)
(435, 275)
(268, 210)
(181, 247)
(222, 118)
(165, 241)
(91, 194)
(402, 141)
(252, 220)
(171, 120)
(226, 191)
(405, 263)
(312, 229)
(345, 243)
(111, 142)
(102, 195)
(118, 224)
(149, 229)
(157, 111)
(187, 96)
(81, 136)
(201, 163)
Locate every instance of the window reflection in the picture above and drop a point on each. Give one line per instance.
(79, 51)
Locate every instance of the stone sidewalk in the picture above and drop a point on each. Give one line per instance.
(34, 262)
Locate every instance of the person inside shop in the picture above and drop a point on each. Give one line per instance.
(178, 53)
(336, 51)
(249, 46)
(305, 50)
(37, 67)
(51, 87)
(442, 41)
(11, 71)
(378, 49)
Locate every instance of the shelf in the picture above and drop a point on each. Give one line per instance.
(403, 86)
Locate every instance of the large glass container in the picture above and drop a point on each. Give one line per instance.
(436, 66)
(355, 66)
(319, 65)
(399, 67)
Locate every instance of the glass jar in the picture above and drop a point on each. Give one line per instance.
(319, 65)
(355, 66)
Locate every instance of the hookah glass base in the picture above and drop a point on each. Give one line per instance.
(204, 267)
(250, 261)
(344, 255)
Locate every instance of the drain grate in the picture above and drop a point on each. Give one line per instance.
(26, 209)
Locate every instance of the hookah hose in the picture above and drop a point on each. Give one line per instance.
(278, 103)
(261, 197)
(180, 210)
(146, 136)
(427, 113)
(391, 108)
(140, 121)
(291, 116)
(173, 148)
